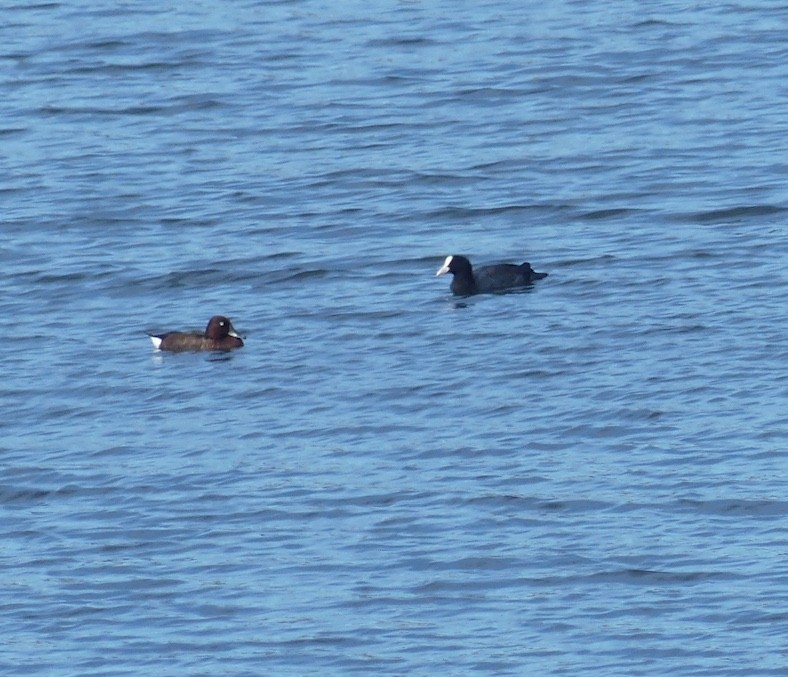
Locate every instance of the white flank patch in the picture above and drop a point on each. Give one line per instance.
(155, 340)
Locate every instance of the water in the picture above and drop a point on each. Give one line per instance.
(583, 478)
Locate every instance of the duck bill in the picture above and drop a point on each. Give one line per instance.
(234, 333)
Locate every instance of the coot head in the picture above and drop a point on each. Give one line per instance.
(455, 264)
(460, 267)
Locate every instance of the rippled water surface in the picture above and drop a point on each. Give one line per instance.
(585, 477)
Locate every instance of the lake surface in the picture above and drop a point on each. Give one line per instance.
(586, 477)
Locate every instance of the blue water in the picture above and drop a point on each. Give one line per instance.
(583, 478)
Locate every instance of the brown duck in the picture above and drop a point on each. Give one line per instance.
(218, 335)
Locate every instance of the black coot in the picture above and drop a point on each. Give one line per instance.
(497, 277)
